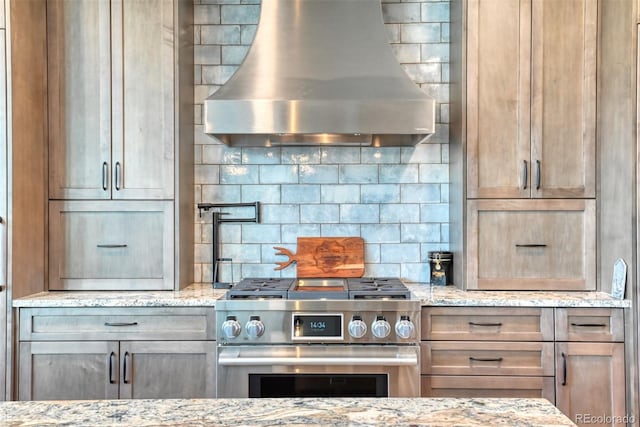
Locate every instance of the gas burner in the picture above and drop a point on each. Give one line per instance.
(255, 288)
(377, 288)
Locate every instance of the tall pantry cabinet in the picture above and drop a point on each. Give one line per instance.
(542, 157)
(525, 116)
(120, 182)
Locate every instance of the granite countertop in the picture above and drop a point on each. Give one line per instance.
(290, 412)
(452, 296)
(203, 294)
(195, 295)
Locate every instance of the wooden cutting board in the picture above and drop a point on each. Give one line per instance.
(326, 257)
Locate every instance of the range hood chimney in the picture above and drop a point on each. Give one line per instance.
(320, 72)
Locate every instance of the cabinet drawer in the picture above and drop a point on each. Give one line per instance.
(487, 358)
(153, 323)
(110, 245)
(477, 386)
(487, 324)
(589, 324)
(531, 245)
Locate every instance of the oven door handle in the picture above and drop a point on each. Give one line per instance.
(236, 360)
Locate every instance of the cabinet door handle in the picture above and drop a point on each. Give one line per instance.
(118, 176)
(589, 325)
(108, 246)
(125, 379)
(485, 359)
(538, 172)
(525, 175)
(530, 245)
(485, 324)
(112, 356)
(564, 369)
(120, 323)
(105, 176)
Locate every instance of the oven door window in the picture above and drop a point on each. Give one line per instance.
(318, 385)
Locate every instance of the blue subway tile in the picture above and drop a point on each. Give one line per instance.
(280, 214)
(278, 174)
(420, 193)
(400, 252)
(340, 155)
(372, 253)
(301, 155)
(318, 174)
(422, 153)
(382, 270)
(381, 155)
(400, 213)
(221, 193)
(431, 173)
(380, 193)
(340, 230)
(380, 233)
(260, 233)
(420, 233)
(240, 253)
(260, 155)
(303, 193)
(238, 174)
(415, 272)
(358, 174)
(291, 232)
(343, 193)
(360, 213)
(319, 213)
(399, 174)
(436, 212)
(259, 270)
(261, 193)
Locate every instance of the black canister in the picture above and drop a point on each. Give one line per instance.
(441, 264)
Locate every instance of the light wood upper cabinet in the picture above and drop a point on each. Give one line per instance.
(111, 101)
(531, 98)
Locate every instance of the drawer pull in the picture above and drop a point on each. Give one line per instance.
(112, 246)
(531, 245)
(485, 359)
(111, 357)
(494, 325)
(538, 174)
(118, 178)
(525, 173)
(564, 369)
(589, 325)
(120, 323)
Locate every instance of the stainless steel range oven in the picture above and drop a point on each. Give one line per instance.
(318, 338)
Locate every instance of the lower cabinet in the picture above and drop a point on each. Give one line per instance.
(575, 361)
(116, 353)
(69, 370)
(590, 371)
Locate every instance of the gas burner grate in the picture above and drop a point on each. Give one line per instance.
(255, 288)
(377, 288)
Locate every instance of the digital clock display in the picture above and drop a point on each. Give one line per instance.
(316, 326)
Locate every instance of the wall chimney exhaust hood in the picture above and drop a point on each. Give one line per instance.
(320, 72)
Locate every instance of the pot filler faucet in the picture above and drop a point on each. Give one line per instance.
(219, 216)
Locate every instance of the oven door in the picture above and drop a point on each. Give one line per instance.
(319, 371)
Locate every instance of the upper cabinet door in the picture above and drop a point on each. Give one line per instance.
(143, 99)
(498, 98)
(563, 116)
(79, 99)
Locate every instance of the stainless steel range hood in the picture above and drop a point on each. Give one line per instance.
(320, 72)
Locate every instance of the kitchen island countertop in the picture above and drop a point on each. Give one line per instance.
(290, 412)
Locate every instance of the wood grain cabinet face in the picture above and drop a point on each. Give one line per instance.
(110, 245)
(116, 353)
(531, 98)
(487, 352)
(531, 245)
(590, 380)
(111, 99)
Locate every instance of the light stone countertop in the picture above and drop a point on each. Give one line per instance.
(195, 295)
(452, 296)
(309, 412)
(203, 294)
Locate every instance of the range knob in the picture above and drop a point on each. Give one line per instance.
(404, 327)
(380, 327)
(254, 327)
(231, 328)
(357, 328)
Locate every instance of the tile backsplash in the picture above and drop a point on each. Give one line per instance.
(395, 198)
